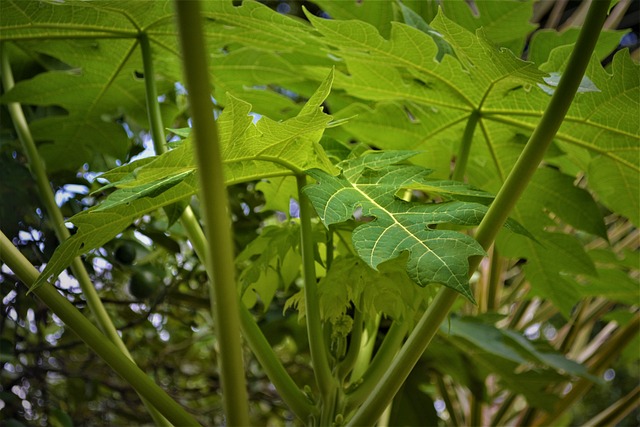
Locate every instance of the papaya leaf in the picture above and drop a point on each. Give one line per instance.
(376, 13)
(414, 20)
(513, 357)
(99, 80)
(250, 151)
(370, 183)
(545, 40)
(506, 23)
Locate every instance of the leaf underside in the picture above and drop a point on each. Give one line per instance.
(370, 183)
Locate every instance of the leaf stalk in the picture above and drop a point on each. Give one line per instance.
(288, 390)
(220, 257)
(465, 147)
(495, 217)
(317, 345)
(38, 171)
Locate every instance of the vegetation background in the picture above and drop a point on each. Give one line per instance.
(152, 283)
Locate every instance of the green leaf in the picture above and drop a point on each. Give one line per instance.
(396, 126)
(377, 13)
(411, 18)
(617, 186)
(601, 132)
(254, 24)
(524, 366)
(545, 40)
(388, 291)
(99, 83)
(505, 23)
(370, 182)
(270, 262)
(553, 192)
(278, 193)
(250, 151)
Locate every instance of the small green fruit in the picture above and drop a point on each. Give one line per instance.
(143, 284)
(125, 253)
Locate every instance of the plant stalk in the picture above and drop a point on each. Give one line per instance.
(346, 365)
(151, 94)
(376, 367)
(290, 393)
(462, 159)
(319, 354)
(495, 217)
(213, 193)
(273, 368)
(37, 168)
(38, 171)
(104, 348)
(367, 343)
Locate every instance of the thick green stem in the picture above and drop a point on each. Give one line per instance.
(379, 364)
(213, 193)
(367, 343)
(347, 364)
(465, 147)
(151, 94)
(288, 390)
(104, 348)
(497, 214)
(319, 354)
(395, 374)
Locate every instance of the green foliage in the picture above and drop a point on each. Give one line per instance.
(251, 151)
(371, 183)
(375, 104)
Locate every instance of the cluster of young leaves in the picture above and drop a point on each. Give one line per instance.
(270, 262)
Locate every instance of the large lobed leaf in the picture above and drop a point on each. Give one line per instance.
(370, 183)
(600, 135)
(250, 151)
(96, 82)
